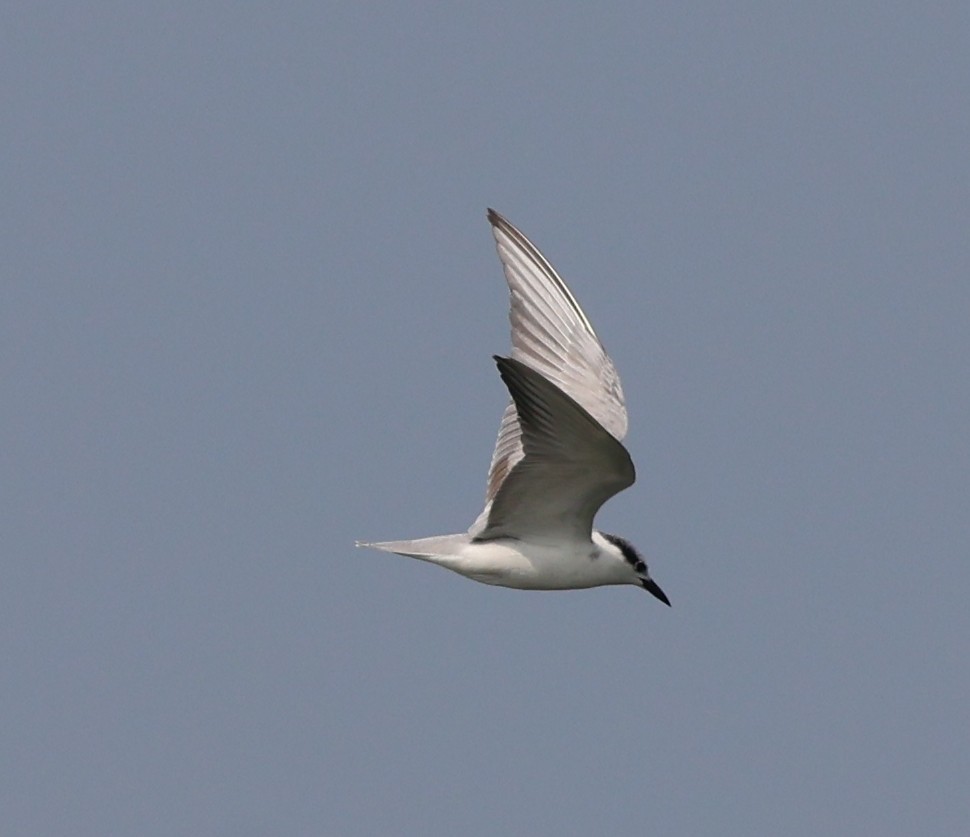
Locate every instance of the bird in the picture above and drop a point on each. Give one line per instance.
(559, 454)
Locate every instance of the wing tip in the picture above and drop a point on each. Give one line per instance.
(500, 222)
(526, 386)
(505, 364)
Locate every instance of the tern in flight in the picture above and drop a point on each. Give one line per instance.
(558, 457)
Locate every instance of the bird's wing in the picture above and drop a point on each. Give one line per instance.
(551, 334)
(570, 464)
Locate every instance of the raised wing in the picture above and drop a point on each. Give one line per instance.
(570, 464)
(552, 335)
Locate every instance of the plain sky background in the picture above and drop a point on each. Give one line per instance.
(247, 308)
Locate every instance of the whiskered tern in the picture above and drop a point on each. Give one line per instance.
(559, 455)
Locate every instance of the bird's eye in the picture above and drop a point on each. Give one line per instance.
(640, 567)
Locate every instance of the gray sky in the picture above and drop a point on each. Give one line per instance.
(249, 299)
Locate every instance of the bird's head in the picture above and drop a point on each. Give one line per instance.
(638, 567)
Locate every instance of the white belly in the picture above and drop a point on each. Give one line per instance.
(529, 566)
